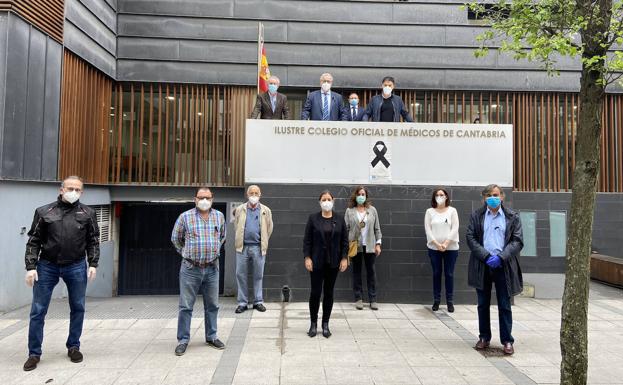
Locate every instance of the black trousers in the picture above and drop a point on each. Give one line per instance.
(357, 261)
(322, 280)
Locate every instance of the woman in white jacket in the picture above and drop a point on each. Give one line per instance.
(441, 223)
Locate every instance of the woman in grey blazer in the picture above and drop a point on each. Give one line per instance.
(362, 223)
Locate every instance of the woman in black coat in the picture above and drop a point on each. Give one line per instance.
(325, 248)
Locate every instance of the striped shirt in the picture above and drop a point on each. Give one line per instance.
(199, 239)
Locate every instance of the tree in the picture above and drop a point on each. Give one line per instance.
(543, 31)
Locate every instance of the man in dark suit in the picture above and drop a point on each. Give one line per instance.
(495, 239)
(355, 111)
(387, 107)
(271, 104)
(324, 104)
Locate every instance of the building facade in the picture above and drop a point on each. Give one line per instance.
(148, 99)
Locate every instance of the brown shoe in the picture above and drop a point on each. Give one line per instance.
(508, 349)
(31, 363)
(482, 344)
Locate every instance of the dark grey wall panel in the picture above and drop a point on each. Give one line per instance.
(4, 19)
(51, 114)
(83, 46)
(16, 91)
(198, 28)
(90, 32)
(104, 11)
(221, 8)
(429, 14)
(184, 72)
(35, 99)
(32, 100)
(82, 18)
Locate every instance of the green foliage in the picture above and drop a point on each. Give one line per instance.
(545, 30)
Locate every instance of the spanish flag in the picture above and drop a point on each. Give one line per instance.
(264, 72)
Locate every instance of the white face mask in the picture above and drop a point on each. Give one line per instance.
(440, 200)
(254, 199)
(326, 87)
(326, 205)
(204, 204)
(71, 196)
(387, 90)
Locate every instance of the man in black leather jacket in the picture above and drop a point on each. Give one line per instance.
(62, 233)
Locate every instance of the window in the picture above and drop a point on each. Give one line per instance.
(103, 221)
(558, 233)
(528, 225)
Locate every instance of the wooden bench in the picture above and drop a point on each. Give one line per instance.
(607, 269)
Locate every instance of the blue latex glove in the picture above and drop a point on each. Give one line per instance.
(494, 261)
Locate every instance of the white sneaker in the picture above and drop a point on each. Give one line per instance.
(359, 305)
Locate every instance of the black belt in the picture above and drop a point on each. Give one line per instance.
(202, 265)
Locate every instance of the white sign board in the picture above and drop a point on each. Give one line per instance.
(296, 151)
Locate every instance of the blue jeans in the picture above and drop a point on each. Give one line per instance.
(251, 254)
(357, 261)
(495, 276)
(75, 277)
(195, 280)
(443, 261)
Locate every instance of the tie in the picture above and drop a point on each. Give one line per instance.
(325, 107)
(273, 102)
(354, 113)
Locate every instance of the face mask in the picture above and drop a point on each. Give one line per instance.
(387, 90)
(440, 200)
(326, 87)
(361, 199)
(493, 202)
(204, 204)
(326, 205)
(253, 200)
(353, 102)
(272, 88)
(71, 196)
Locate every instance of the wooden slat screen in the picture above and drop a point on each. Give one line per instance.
(47, 15)
(85, 125)
(179, 134)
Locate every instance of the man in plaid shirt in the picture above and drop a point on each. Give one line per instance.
(198, 236)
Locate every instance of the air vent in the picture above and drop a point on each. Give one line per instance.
(103, 221)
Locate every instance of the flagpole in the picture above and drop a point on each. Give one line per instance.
(260, 42)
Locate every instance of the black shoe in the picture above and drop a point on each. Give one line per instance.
(216, 344)
(259, 307)
(450, 307)
(326, 333)
(31, 363)
(435, 306)
(312, 329)
(74, 354)
(241, 309)
(180, 349)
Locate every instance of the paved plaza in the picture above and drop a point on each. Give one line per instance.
(130, 340)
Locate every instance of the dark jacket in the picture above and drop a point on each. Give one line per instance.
(358, 117)
(312, 109)
(63, 233)
(314, 243)
(513, 243)
(264, 109)
(373, 110)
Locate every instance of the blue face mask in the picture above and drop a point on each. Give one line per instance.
(493, 202)
(272, 88)
(353, 102)
(361, 199)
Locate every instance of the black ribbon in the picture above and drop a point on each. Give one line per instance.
(380, 154)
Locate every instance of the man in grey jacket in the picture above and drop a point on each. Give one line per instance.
(495, 239)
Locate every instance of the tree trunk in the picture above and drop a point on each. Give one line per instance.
(573, 332)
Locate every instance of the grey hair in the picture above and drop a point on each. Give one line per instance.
(326, 74)
(276, 78)
(489, 188)
(253, 185)
(72, 177)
